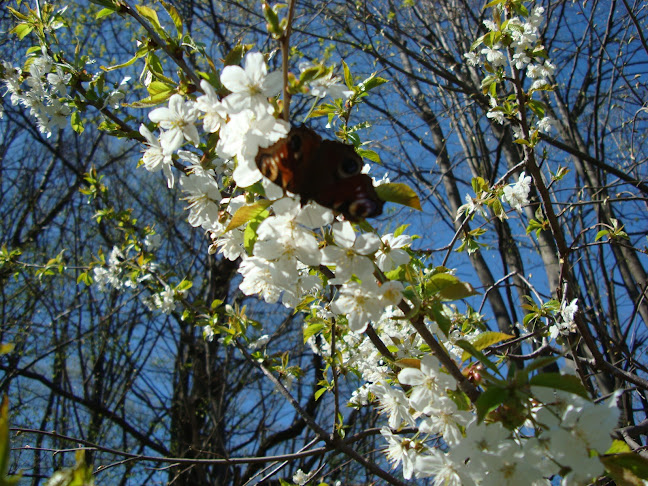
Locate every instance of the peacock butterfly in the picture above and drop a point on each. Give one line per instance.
(325, 171)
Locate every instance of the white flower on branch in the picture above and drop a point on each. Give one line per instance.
(251, 87)
(517, 194)
(472, 58)
(178, 122)
(350, 256)
(401, 449)
(203, 197)
(494, 56)
(214, 109)
(155, 158)
(391, 254)
(427, 383)
(564, 323)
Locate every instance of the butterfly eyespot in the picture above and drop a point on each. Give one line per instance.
(349, 167)
(268, 167)
(363, 208)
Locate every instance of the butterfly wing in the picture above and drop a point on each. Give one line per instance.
(327, 172)
(287, 162)
(354, 197)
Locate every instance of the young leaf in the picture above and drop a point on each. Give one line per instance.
(246, 213)
(488, 401)
(489, 338)
(399, 193)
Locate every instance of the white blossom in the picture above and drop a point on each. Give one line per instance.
(215, 111)
(165, 300)
(427, 383)
(155, 158)
(360, 302)
(400, 450)
(178, 122)
(350, 256)
(517, 194)
(203, 197)
(494, 56)
(391, 254)
(472, 58)
(250, 86)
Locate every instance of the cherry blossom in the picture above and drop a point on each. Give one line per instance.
(360, 302)
(178, 121)
(203, 197)
(391, 255)
(155, 158)
(517, 194)
(215, 111)
(350, 254)
(282, 237)
(250, 86)
(427, 382)
(399, 450)
(242, 136)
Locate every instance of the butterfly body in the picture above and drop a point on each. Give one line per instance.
(325, 171)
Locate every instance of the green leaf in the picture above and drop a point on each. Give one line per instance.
(250, 233)
(440, 318)
(76, 122)
(488, 401)
(478, 355)
(319, 393)
(22, 30)
(151, 15)
(84, 278)
(17, 14)
(247, 213)
(104, 12)
(567, 383)
(173, 13)
(348, 79)
(273, 20)
(234, 57)
(139, 54)
(399, 193)
(372, 82)
(488, 338)
(312, 329)
(158, 87)
(617, 447)
(398, 273)
(184, 285)
(493, 3)
(627, 468)
(369, 154)
(601, 234)
(401, 229)
(538, 107)
(449, 287)
(152, 100)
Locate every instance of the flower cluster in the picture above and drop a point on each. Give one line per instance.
(120, 272)
(515, 42)
(304, 255)
(517, 194)
(283, 264)
(43, 90)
